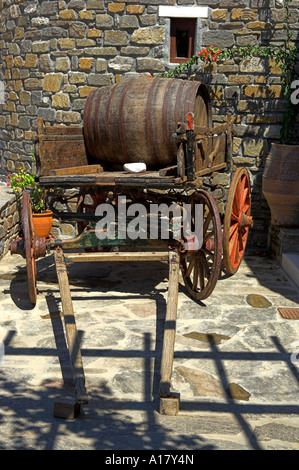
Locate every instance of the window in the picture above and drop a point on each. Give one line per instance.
(182, 39)
(183, 24)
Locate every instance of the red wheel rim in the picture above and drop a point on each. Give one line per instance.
(237, 221)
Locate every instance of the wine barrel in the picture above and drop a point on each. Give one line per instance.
(134, 120)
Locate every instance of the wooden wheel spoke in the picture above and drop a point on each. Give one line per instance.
(195, 275)
(241, 245)
(206, 223)
(190, 267)
(244, 196)
(201, 277)
(208, 236)
(201, 269)
(245, 208)
(232, 230)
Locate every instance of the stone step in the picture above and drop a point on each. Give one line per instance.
(290, 264)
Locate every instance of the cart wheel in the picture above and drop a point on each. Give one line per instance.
(201, 268)
(29, 246)
(237, 221)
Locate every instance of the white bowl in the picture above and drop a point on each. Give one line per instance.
(135, 167)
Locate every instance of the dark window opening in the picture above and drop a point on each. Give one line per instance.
(182, 39)
(182, 43)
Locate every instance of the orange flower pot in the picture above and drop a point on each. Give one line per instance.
(42, 223)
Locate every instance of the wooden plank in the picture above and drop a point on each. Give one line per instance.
(77, 170)
(170, 324)
(63, 130)
(60, 137)
(70, 328)
(116, 256)
(66, 407)
(170, 405)
(206, 171)
(61, 154)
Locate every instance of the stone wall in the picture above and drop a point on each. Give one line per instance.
(55, 52)
(9, 218)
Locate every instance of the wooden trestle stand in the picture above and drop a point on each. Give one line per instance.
(68, 406)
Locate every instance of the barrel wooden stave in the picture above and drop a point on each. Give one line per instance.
(135, 120)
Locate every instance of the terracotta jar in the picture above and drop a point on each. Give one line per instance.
(281, 184)
(42, 223)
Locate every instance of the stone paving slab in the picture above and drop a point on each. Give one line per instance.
(234, 367)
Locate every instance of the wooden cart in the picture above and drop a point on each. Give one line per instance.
(66, 159)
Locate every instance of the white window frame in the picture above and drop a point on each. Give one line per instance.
(177, 11)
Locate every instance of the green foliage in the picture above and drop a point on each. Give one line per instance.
(24, 180)
(284, 55)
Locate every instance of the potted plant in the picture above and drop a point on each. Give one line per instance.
(42, 217)
(281, 172)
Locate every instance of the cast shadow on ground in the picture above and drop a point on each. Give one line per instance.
(106, 421)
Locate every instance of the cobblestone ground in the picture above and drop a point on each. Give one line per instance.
(234, 367)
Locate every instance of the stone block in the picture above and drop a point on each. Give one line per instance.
(52, 82)
(96, 79)
(61, 100)
(102, 51)
(49, 8)
(220, 14)
(94, 33)
(149, 36)
(95, 5)
(47, 114)
(25, 97)
(253, 147)
(116, 38)
(87, 15)
(243, 14)
(71, 117)
(101, 65)
(121, 64)
(259, 91)
(68, 14)
(116, 7)
(45, 63)
(66, 43)
(31, 84)
(128, 22)
(135, 50)
(77, 29)
(104, 21)
(149, 64)
(253, 65)
(85, 90)
(218, 38)
(135, 9)
(85, 63)
(77, 78)
(63, 64)
(40, 46)
(31, 60)
(78, 4)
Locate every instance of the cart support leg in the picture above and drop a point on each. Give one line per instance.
(72, 339)
(169, 402)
